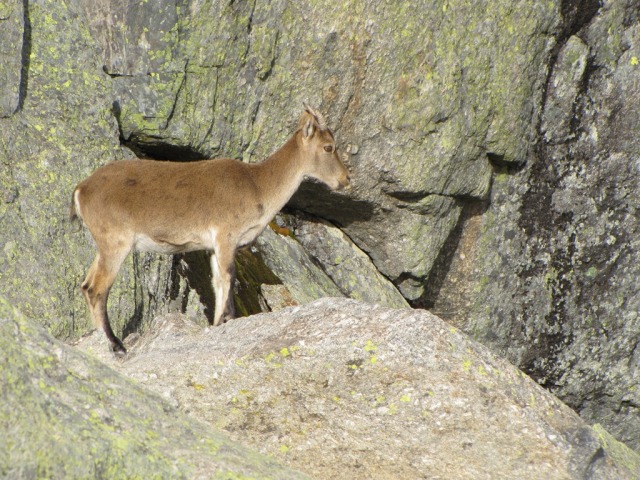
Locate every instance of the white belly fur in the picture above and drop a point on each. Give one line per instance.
(145, 243)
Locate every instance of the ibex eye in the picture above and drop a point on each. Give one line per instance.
(328, 148)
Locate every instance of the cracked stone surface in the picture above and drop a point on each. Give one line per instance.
(340, 388)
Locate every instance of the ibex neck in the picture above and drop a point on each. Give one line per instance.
(279, 176)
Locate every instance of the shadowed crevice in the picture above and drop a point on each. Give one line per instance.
(25, 55)
(447, 303)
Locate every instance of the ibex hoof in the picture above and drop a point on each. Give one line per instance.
(118, 350)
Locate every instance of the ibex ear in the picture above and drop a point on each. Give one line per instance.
(308, 129)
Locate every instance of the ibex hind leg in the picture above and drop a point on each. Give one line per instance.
(96, 288)
(99, 312)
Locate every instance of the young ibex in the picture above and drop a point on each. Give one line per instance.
(216, 205)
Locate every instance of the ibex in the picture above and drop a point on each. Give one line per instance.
(218, 205)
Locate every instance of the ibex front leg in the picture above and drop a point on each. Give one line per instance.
(224, 275)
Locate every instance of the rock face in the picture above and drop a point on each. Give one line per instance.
(493, 157)
(341, 389)
(65, 415)
(12, 37)
(546, 275)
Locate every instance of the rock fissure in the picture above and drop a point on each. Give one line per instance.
(25, 56)
(177, 94)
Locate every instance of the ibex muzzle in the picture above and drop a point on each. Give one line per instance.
(217, 205)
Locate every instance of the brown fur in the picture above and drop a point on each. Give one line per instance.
(216, 205)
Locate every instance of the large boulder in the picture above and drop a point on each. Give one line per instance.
(341, 389)
(66, 415)
(547, 274)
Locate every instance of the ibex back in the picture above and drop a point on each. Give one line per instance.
(217, 205)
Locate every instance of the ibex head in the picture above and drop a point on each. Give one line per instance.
(319, 146)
